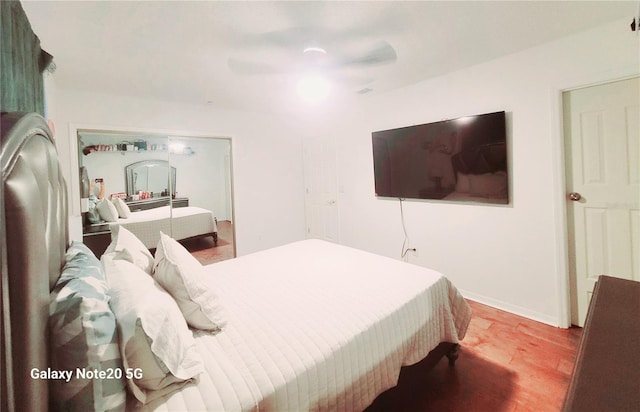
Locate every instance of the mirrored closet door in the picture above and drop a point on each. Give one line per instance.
(151, 183)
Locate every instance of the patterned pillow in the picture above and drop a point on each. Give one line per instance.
(84, 338)
(94, 216)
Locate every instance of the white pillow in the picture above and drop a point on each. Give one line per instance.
(107, 210)
(123, 209)
(154, 337)
(126, 246)
(181, 274)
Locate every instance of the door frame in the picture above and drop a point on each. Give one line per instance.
(563, 278)
(336, 195)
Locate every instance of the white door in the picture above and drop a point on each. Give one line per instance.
(320, 181)
(602, 146)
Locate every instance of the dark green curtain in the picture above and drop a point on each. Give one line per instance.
(22, 62)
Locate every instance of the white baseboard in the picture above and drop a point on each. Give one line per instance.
(508, 307)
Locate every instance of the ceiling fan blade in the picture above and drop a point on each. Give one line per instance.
(295, 38)
(380, 54)
(240, 66)
(351, 79)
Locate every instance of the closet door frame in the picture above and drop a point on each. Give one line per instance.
(73, 183)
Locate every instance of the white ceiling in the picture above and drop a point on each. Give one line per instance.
(180, 50)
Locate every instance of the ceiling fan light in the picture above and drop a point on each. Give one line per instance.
(314, 50)
(313, 88)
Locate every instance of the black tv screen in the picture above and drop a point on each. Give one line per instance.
(462, 159)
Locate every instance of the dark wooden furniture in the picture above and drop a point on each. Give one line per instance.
(606, 376)
(97, 237)
(152, 203)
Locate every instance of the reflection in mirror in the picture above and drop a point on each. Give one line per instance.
(129, 162)
(204, 179)
(152, 177)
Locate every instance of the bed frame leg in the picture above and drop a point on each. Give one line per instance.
(453, 353)
(215, 238)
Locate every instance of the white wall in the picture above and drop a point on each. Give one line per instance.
(266, 157)
(512, 257)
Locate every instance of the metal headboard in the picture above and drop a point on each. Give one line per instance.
(35, 237)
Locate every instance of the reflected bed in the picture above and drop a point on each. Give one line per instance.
(180, 222)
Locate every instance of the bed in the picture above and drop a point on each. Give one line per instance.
(181, 222)
(306, 326)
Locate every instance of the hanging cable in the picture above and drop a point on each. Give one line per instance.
(405, 243)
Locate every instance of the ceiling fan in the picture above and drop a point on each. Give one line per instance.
(308, 50)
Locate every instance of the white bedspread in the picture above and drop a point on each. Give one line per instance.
(179, 222)
(317, 326)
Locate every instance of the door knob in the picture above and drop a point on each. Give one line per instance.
(575, 196)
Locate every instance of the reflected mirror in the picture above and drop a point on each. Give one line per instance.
(150, 176)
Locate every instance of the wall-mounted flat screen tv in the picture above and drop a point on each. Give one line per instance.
(462, 159)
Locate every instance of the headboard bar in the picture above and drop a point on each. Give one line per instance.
(7, 400)
(36, 235)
